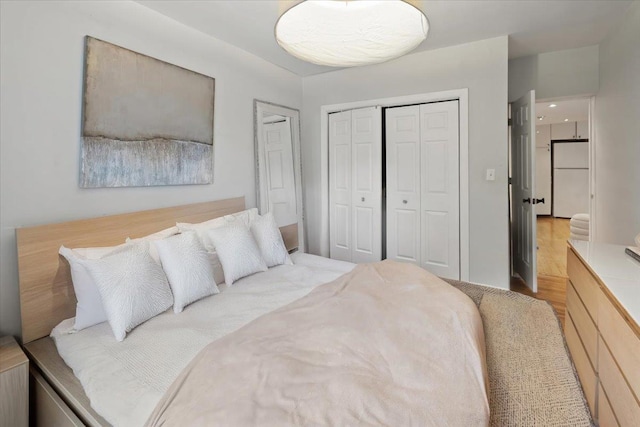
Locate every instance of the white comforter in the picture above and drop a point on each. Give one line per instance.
(388, 344)
(125, 380)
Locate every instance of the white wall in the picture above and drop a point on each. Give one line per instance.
(41, 83)
(480, 66)
(617, 123)
(560, 74)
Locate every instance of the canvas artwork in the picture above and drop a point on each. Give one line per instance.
(145, 122)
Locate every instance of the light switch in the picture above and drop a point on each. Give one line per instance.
(491, 174)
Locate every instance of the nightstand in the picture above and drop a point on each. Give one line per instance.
(14, 384)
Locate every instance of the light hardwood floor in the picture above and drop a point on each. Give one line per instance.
(552, 264)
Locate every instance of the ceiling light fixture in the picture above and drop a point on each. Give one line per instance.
(552, 105)
(540, 117)
(350, 33)
(566, 120)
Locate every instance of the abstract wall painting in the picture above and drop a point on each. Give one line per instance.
(145, 122)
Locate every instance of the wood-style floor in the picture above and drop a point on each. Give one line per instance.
(552, 264)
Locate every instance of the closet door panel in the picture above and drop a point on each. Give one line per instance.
(366, 194)
(340, 182)
(439, 185)
(403, 183)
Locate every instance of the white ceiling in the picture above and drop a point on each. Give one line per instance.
(533, 26)
(574, 110)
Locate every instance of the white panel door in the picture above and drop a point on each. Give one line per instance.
(281, 189)
(340, 182)
(366, 189)
(523, 235)
(440, 189)
(403, 183)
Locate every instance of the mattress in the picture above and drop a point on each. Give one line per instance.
(125, 380)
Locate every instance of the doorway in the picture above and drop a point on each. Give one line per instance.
(563, 165)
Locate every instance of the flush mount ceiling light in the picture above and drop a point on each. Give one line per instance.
(349, 33)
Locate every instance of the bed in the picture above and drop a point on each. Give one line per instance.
(149, 363)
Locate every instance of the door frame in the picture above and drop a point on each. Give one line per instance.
(592, 168)
(259, 108)
(462, 96)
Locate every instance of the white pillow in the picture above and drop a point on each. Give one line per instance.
(132, 286)
(216, 265)
(246, 217)
(188, 268)
(89, 310)
(202, 228)
(269, 239)
(238, 251)
(162, 234)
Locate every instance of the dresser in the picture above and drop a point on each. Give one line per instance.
(14, 384)
(602, 332)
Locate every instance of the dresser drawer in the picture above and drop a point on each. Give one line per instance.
(623, 402)
(605, 413)
(583, 323)
(586, 373)
(621, 340)
(584, 283)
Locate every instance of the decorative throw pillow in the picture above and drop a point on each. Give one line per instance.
(238, 251)
(202, 228)
(246, 217)
(132, 286)
(162, 234)
(89, 310)
(188, 268)
(269, 239)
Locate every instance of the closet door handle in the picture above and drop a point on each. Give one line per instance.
(362, 199)
(404, 201)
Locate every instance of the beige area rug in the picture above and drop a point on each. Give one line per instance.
(532, 379)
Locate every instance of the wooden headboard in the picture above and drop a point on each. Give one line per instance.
(46, 290)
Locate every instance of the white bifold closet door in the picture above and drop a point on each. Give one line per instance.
(423, 190)
(355, 185)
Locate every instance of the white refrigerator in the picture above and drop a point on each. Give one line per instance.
(570, 178)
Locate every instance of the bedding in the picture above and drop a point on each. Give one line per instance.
(269, 240)
(386, 344)
(188, 268)
(159, 235)
(89, 309)
(133, 287)
(125, 380)
(238, 251)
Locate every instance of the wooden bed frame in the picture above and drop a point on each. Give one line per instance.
(47, 296)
